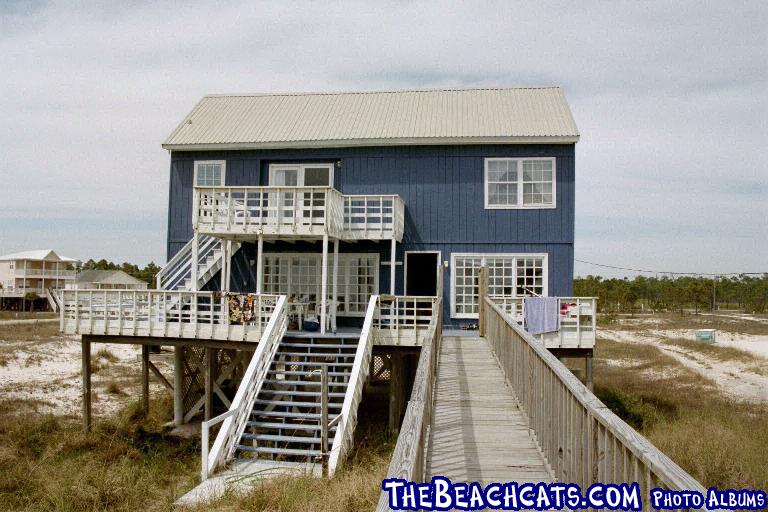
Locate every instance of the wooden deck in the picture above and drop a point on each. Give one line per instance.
(478, 433)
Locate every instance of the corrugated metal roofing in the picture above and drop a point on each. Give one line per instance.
(106, 277)
(463, 116)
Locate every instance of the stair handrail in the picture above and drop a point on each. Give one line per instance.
(236, 418)
(345, 428)
(177, 266)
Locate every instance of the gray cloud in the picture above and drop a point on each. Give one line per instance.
(670, 100)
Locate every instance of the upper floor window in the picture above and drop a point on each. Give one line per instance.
(210, 173)
(301, 175)
(519, 183)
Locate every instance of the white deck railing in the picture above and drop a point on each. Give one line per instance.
(577, 320)
(404, 320)
(373, 217)
(176, 314)
(308, 211)
(344, 438)
(297, 211)
(236, 418)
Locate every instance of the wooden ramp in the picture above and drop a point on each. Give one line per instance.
(478, 433)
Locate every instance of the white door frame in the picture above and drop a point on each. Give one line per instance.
(299, 168)
(405, 266)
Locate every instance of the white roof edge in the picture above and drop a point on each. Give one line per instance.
(381, 91)
(430, 141)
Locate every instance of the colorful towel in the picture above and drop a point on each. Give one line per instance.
(242, 307)
(542, 314)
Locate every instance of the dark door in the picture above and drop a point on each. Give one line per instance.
(421, 273)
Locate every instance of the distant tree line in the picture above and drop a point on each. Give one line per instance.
(623, 295)
(146, 273)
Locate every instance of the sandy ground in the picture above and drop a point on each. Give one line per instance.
(739, 379)
(46, 369)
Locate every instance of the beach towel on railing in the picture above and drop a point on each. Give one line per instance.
(242, 307)
(542, 314)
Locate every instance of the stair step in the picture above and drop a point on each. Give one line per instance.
(282, 439)
(286, 403)
(279, 451)
(285, 426)
(283, 414)
(288, 392)
(314, 354)
(306, 374)
(281, 382)
(311, 363)
(317, 345)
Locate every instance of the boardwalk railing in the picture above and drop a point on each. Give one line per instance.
(344, 438)
(577, 320)
(582, 440)
(404, 320)
(408, 458)
(236, 418)
(298, 211)
(160, 313)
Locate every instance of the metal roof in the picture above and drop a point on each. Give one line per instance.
(505, 115)
(107, 277)
(38, 255)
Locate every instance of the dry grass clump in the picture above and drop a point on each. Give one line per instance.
(26, 315)
(107, 355)
(127, 463)
(29, 332)
(717, 352)
(113, 388)
(719, 441)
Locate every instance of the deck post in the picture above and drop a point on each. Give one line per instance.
(482, 279)
(178, 383)
(392, 267)
(145, 379)
(86, 371)
(324, 285)
(335, 283)
(195, 258)
(396, 391)
(260, 265)
(588, 365)
(208, 383)
(224, 285)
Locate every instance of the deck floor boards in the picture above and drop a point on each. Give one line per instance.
(478, 433)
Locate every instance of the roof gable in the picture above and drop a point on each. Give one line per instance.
(37, 255)
(443, 116)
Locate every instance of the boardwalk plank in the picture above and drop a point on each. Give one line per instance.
(478, 432)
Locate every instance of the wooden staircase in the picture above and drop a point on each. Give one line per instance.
(285, 419)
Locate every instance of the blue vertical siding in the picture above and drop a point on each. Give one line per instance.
(442, 187)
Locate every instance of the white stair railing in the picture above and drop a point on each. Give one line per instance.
(236, 418)
(173, 275)
(344, 438)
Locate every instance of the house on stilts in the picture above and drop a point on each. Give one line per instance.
(320, 242)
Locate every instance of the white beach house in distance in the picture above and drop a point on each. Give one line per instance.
(34, 272)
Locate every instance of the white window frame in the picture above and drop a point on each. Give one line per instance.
(346, 286)
(223, 164)
(300, 168)
(482, 256)
(520, 205)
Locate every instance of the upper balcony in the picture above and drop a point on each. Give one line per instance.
(45, 272)
(301, 212)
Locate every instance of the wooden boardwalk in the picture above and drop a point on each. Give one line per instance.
(478, 433)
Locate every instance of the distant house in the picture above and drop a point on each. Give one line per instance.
(35, 272)
(106, 280)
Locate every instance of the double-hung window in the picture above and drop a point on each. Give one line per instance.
(509, 275)
(519, 183)
(210, 173)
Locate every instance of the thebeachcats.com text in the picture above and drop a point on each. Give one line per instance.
(442, 494)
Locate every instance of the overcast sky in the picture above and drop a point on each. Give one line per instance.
(671, 100)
